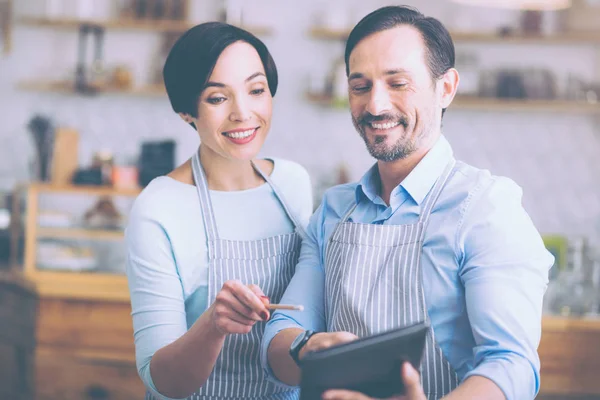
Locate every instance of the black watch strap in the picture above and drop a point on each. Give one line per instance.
(299, 343)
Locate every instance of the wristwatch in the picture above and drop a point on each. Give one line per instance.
(298, 343)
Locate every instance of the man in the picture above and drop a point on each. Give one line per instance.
(419, 237)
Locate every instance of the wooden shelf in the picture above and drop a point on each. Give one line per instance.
(565, 324)
(79, 233)
(566, 38)
(79, 285)
(492, 104)
(84, 190)
(69, 88)
(151, 25)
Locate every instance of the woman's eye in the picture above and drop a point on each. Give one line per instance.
(215, 100)
(257, 92)
(398, 85)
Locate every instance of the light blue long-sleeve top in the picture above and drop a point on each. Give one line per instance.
(485, 268)
(167, 263)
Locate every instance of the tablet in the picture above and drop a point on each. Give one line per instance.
(370, 365)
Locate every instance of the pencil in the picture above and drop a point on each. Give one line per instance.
(285, 307)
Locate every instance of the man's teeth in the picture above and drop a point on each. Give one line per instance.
(388, 125)
(240, 135)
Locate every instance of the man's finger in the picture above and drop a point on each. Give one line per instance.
(344, 395)
(412, 382)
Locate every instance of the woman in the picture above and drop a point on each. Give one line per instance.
(213, 242)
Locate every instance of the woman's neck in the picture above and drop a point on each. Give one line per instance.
(228, 175)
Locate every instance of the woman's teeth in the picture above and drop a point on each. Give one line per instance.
(240, 135)
(388, 125)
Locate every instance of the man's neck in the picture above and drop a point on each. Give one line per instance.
(394, 172)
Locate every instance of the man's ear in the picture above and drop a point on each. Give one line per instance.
(449, 82)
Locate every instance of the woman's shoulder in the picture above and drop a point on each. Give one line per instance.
(289, 171)
(159, 194)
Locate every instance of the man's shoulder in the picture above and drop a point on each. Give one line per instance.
(477, 187)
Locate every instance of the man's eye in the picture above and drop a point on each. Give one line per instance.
(360, 89)
(398, 85)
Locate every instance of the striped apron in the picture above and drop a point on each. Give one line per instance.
(269, 263)
(373, 281)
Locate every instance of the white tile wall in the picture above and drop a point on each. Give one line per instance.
(554, 157)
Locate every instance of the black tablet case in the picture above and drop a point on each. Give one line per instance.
(370, 365)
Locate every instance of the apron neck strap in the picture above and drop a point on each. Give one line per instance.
(430, 199)
(435, 191)
(208, 215)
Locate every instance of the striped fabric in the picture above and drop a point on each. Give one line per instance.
(374, 283)
(269, 263)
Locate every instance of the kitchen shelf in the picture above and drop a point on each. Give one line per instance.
(78, 233)
(66, 87)
(566, 38)
(493, 104)
(559, 324)
(124, 24)
(83, 190)
(82, 285)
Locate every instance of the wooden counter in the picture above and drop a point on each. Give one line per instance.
(72, 348)
(570, 358)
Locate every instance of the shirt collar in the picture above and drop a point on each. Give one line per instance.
(418, 182)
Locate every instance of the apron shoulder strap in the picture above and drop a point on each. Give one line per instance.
(281, 200)
(210, 224)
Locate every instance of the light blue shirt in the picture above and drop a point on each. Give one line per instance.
(485, 268)
(167, 257)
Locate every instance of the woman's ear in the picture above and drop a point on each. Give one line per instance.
(186, 117)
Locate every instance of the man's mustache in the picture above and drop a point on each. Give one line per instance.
(369, 118)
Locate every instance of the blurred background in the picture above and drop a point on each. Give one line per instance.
(85, 124)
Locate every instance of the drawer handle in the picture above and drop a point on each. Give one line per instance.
(95, 392)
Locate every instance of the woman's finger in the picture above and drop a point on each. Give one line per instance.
(249, 299)
(226, 312)
(228, 300)
(258, 291)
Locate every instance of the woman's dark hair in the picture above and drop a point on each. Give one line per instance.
(194, 55)
(440, 47)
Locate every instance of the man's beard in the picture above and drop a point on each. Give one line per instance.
(402, 148)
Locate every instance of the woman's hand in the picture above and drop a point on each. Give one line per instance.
(238, 307)
(412, 387)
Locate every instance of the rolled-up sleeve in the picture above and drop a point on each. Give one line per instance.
(504, 269)
(306, 288)
(157, 300)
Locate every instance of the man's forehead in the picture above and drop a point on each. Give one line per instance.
(396, 50)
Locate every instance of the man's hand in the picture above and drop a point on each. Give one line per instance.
(320, 341)
(412, 385)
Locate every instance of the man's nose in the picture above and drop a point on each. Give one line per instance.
(379, 101)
